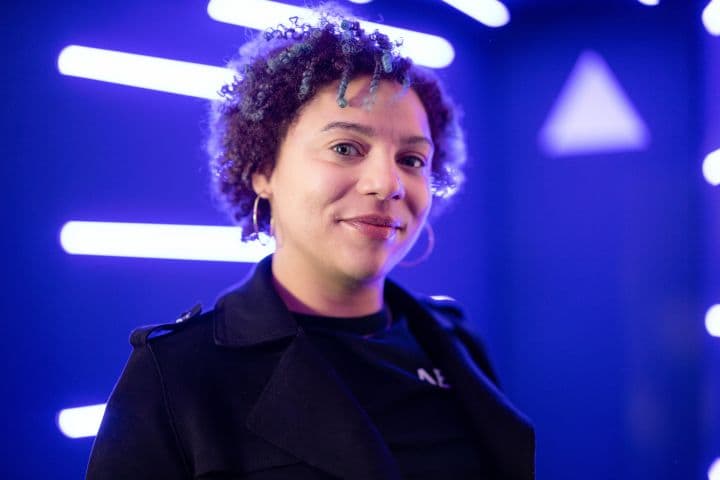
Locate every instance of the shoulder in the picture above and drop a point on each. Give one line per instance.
(451, 314)
(186, 322)
(445, 305)
(175, 353)
(444, 309)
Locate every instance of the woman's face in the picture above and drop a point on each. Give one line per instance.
(350, 190)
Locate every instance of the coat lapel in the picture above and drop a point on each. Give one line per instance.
(305, 408)
(505, 432)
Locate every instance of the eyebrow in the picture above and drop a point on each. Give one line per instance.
(369, 131)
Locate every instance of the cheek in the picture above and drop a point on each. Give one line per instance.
(325, 183)
(420, 197)
(304, 194)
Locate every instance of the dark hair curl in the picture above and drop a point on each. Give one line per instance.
(280, 71)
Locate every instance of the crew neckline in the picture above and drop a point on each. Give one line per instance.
(363, 325)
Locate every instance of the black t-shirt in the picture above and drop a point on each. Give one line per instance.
(404, 394)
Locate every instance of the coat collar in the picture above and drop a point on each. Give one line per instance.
(237, 311)
(236, 322)
(304, 393)
(304, 408)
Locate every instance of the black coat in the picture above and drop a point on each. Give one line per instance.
(240, 392)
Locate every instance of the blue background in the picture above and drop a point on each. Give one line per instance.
(588, 275)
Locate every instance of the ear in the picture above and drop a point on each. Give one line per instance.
(261, 185)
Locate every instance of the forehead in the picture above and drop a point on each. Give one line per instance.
(390, 109)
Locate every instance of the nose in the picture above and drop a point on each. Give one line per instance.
(381, 177)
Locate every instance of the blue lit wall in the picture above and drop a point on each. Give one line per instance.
(586, 272)
(597, 256)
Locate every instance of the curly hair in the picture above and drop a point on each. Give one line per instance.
(280, 71)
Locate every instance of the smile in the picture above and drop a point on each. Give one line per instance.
(377, 227)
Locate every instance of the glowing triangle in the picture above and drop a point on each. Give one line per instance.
(592, 114)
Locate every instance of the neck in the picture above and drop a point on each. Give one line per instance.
(312, 292)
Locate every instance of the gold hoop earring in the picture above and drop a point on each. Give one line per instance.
(256, 230)
(428, 249)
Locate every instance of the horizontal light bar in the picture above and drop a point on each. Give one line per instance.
(711, 17)
(81, 422)
(488, 12)
(167, 241)
(711, 168)
(153, 73)
(714, 470)
(712, 321)
(650, 3)
(424, 49)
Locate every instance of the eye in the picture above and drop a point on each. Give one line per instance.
(346, 149)
(413, 161)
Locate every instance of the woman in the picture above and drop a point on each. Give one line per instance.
(318, 366)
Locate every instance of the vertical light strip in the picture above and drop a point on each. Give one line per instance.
(491, 13)
(167, 241)
(153, 73)
(425, 49)
(80, 422)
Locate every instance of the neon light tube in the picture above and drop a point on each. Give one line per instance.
(711, 168)
(80, 422)
(153, 73)
(166, 241)
(650, 3)
(714, 470)
(711, 17)
(712, 324)
(491, 13)
(429, 50)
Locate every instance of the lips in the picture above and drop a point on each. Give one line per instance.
(377, 227)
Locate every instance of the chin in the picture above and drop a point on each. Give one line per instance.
(367, 269)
